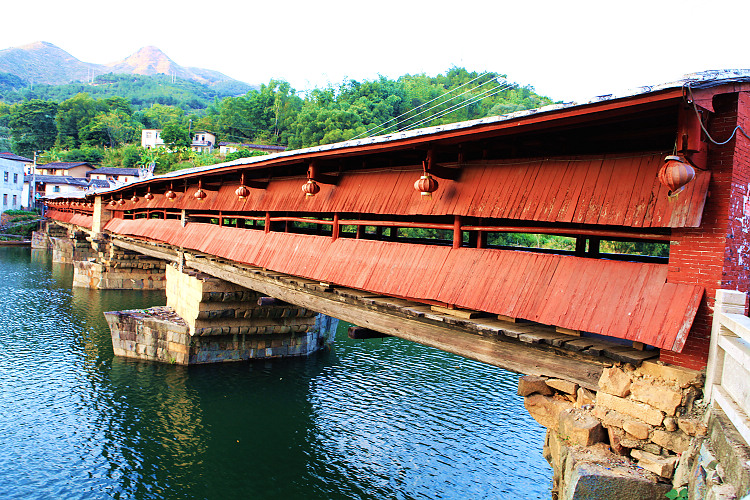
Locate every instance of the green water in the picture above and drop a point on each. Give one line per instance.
(377, 419)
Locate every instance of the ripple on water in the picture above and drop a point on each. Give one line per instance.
(368, 420)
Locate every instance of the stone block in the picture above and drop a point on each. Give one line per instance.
(632, 408)
(682, 377)
(563, 385)
(657, 396)
(613, 419)
(692, 426)
(609, 479)
(530, 384)
(546, 410)
(578, 427)
(661, 466)
(614, 381)
(676, 441)
(670, 423)
(585, 397)
(615, 442)
(638, 430)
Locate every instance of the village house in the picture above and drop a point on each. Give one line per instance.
(115, 174)
(11, 181)
(201, 140)
(77, 169)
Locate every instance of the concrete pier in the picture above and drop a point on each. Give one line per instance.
(208, 320)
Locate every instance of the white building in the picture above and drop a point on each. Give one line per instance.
(201, 142)
(11, 181)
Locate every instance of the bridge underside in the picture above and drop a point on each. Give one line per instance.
(521, 347)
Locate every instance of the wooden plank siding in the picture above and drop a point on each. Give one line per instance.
(610, 190)
(86, 221)
(627, 300)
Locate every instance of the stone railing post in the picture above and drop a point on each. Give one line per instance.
(727, 301)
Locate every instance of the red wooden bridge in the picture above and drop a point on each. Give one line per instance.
(347, 215)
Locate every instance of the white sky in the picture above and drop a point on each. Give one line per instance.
(565, 49)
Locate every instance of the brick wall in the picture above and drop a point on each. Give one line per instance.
(715, 255)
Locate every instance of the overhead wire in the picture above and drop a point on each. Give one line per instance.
(382, 125)
(460, 105)
(703, 127)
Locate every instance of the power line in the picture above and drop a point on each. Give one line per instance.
(421, 105)
(460, 105)
(437, 105)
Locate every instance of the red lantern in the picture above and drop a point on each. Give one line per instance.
(242, 192)
(310, 188)
(675, 174)
(112, 202)
(200, 195)
(170, 195)
(135, 198)
(122, 200)
(426, 185)
(148, 195)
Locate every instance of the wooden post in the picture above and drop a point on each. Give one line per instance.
(359, 232)
(267, 223)
(594, 247)
(183, 217)
(457, 234)
(335, 227)
(580, 246)
(727, 301)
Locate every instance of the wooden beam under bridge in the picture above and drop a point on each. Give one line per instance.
(408, 322)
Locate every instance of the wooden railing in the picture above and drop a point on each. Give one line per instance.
(728, 373)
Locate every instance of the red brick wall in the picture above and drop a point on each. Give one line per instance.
(716, 254)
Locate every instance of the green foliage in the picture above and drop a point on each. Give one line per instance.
(87, 154)
(33, 125)
(681, 494)
(244, 153)
(140, 90)
(635, 248)
(175, 135)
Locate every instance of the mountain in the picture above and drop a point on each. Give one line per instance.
(43, 62)
(151, 61)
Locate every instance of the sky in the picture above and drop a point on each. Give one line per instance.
(568, 50)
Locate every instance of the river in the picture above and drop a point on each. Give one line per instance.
(374, 419)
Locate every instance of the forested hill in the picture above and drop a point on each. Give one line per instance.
(141, 90)
(110, 114)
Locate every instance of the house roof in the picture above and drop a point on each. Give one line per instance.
(57, 179)
(64, 165)
(254, 146)
(113, 171)
(99, 183)
(10, 156)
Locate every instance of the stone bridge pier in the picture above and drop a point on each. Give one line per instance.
(209, 320)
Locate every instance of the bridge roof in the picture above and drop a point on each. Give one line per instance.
(704, 85)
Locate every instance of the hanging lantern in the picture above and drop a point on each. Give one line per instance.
(112, 202)
(122, 200)
(242, 192)
(310, 188)
(135, 198)
(148, 195)
(675, 174)
(426, 185)
(200, 195)
(170, 194)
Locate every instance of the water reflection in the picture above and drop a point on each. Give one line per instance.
(373, 419)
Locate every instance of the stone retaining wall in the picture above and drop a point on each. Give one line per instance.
(121, 271)
(629, 436)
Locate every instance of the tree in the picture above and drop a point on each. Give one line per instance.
(33, 124)
(175, 135)
(110, 129)
(73, 115)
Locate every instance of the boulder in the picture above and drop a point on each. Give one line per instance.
(657, 396)
(530, 384)
(580, 428)
(615, 381)
(634, 409)
(546, 410)
(563, 385)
